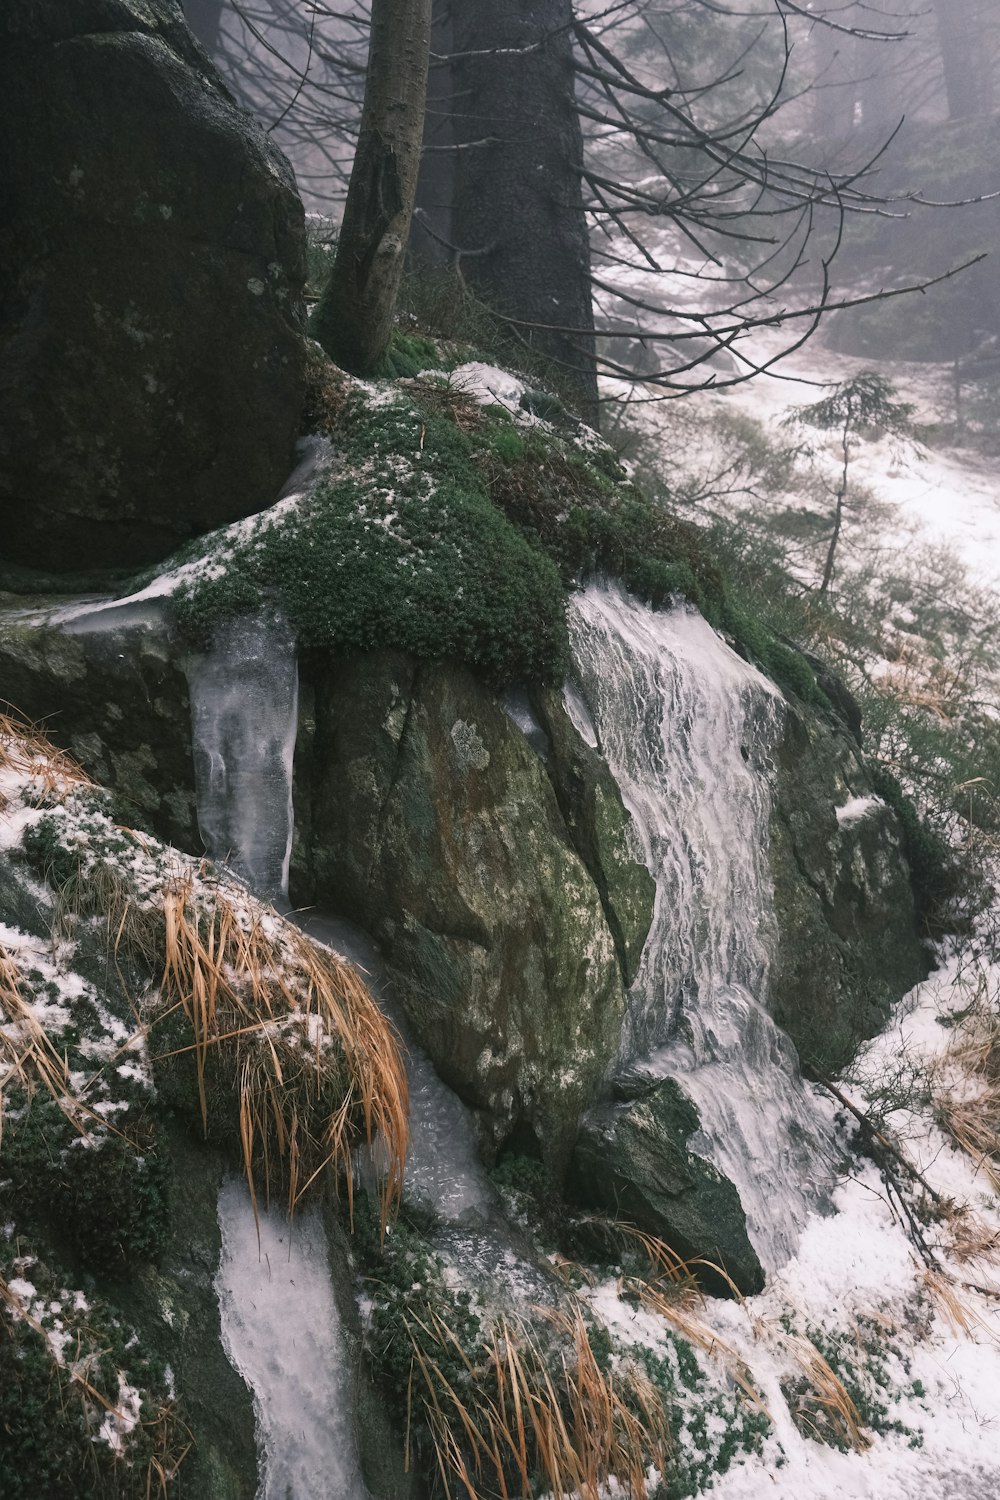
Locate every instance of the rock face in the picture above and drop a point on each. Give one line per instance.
(117, 699)
(151, 265)
(632, 1161)
(424, 813)
(848, 944)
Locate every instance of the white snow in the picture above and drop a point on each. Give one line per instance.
(857, 809)
(488, 384)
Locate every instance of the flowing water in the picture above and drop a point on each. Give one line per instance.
(688, 729)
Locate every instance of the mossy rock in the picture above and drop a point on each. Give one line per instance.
(848, 943)
(632, 1161)
(432, 822)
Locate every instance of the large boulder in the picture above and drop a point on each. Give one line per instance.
(151, 269)
(426, 815)
(848, 944)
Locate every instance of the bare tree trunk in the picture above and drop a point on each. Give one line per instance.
(431, 233)
(519, 222)
(353, 319)
(965, 53)
(205, 19)
(838, 514)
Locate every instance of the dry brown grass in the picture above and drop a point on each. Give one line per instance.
(534, 1403)
(819, 1402)
(969, 1110)
(28, 1059)
(25, 749)
(317, 1065)
(448, 398)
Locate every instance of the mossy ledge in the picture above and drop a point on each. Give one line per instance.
(452, 529)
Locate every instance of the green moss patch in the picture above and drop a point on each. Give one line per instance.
(85, 1410)
(450, 530)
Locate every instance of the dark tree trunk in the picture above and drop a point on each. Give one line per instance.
(431, 234)
(965, 54)
(205, 19)
(354, 316)
(519, 224)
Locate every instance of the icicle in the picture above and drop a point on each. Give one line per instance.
(244, 712)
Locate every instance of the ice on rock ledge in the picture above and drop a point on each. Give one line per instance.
(281, 1331)
(244, 718)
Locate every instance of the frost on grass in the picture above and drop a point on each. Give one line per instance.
(143, 979)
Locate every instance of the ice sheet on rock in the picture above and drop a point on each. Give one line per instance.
(281, 1331)
(244, 718)
(688, 728)
(443, 1169)
(579, 714)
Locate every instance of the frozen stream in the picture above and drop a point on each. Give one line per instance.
(281, 1331)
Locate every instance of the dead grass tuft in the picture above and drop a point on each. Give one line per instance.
(28, 1059)
(316, 1064)
(25, 749)
(534, 1411)
(969, 1109)
(819, 1402)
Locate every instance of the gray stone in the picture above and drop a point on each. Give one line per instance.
(151, 269)
(848, 944)
(632, 1162)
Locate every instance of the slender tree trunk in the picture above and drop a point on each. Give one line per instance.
(965, 54)
(431, 234)
(838, 514)
(519, 224)
(205, 19)
(354, 316)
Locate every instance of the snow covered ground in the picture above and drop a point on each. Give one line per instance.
(928, 1321)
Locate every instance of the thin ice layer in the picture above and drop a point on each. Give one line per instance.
(244, 717)
(280, 1329)
(443, 1170)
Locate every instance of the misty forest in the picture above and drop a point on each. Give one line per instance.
(499, 750)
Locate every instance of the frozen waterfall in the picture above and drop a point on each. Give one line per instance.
(687, 728)
(244, 715)
(281, 1331)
